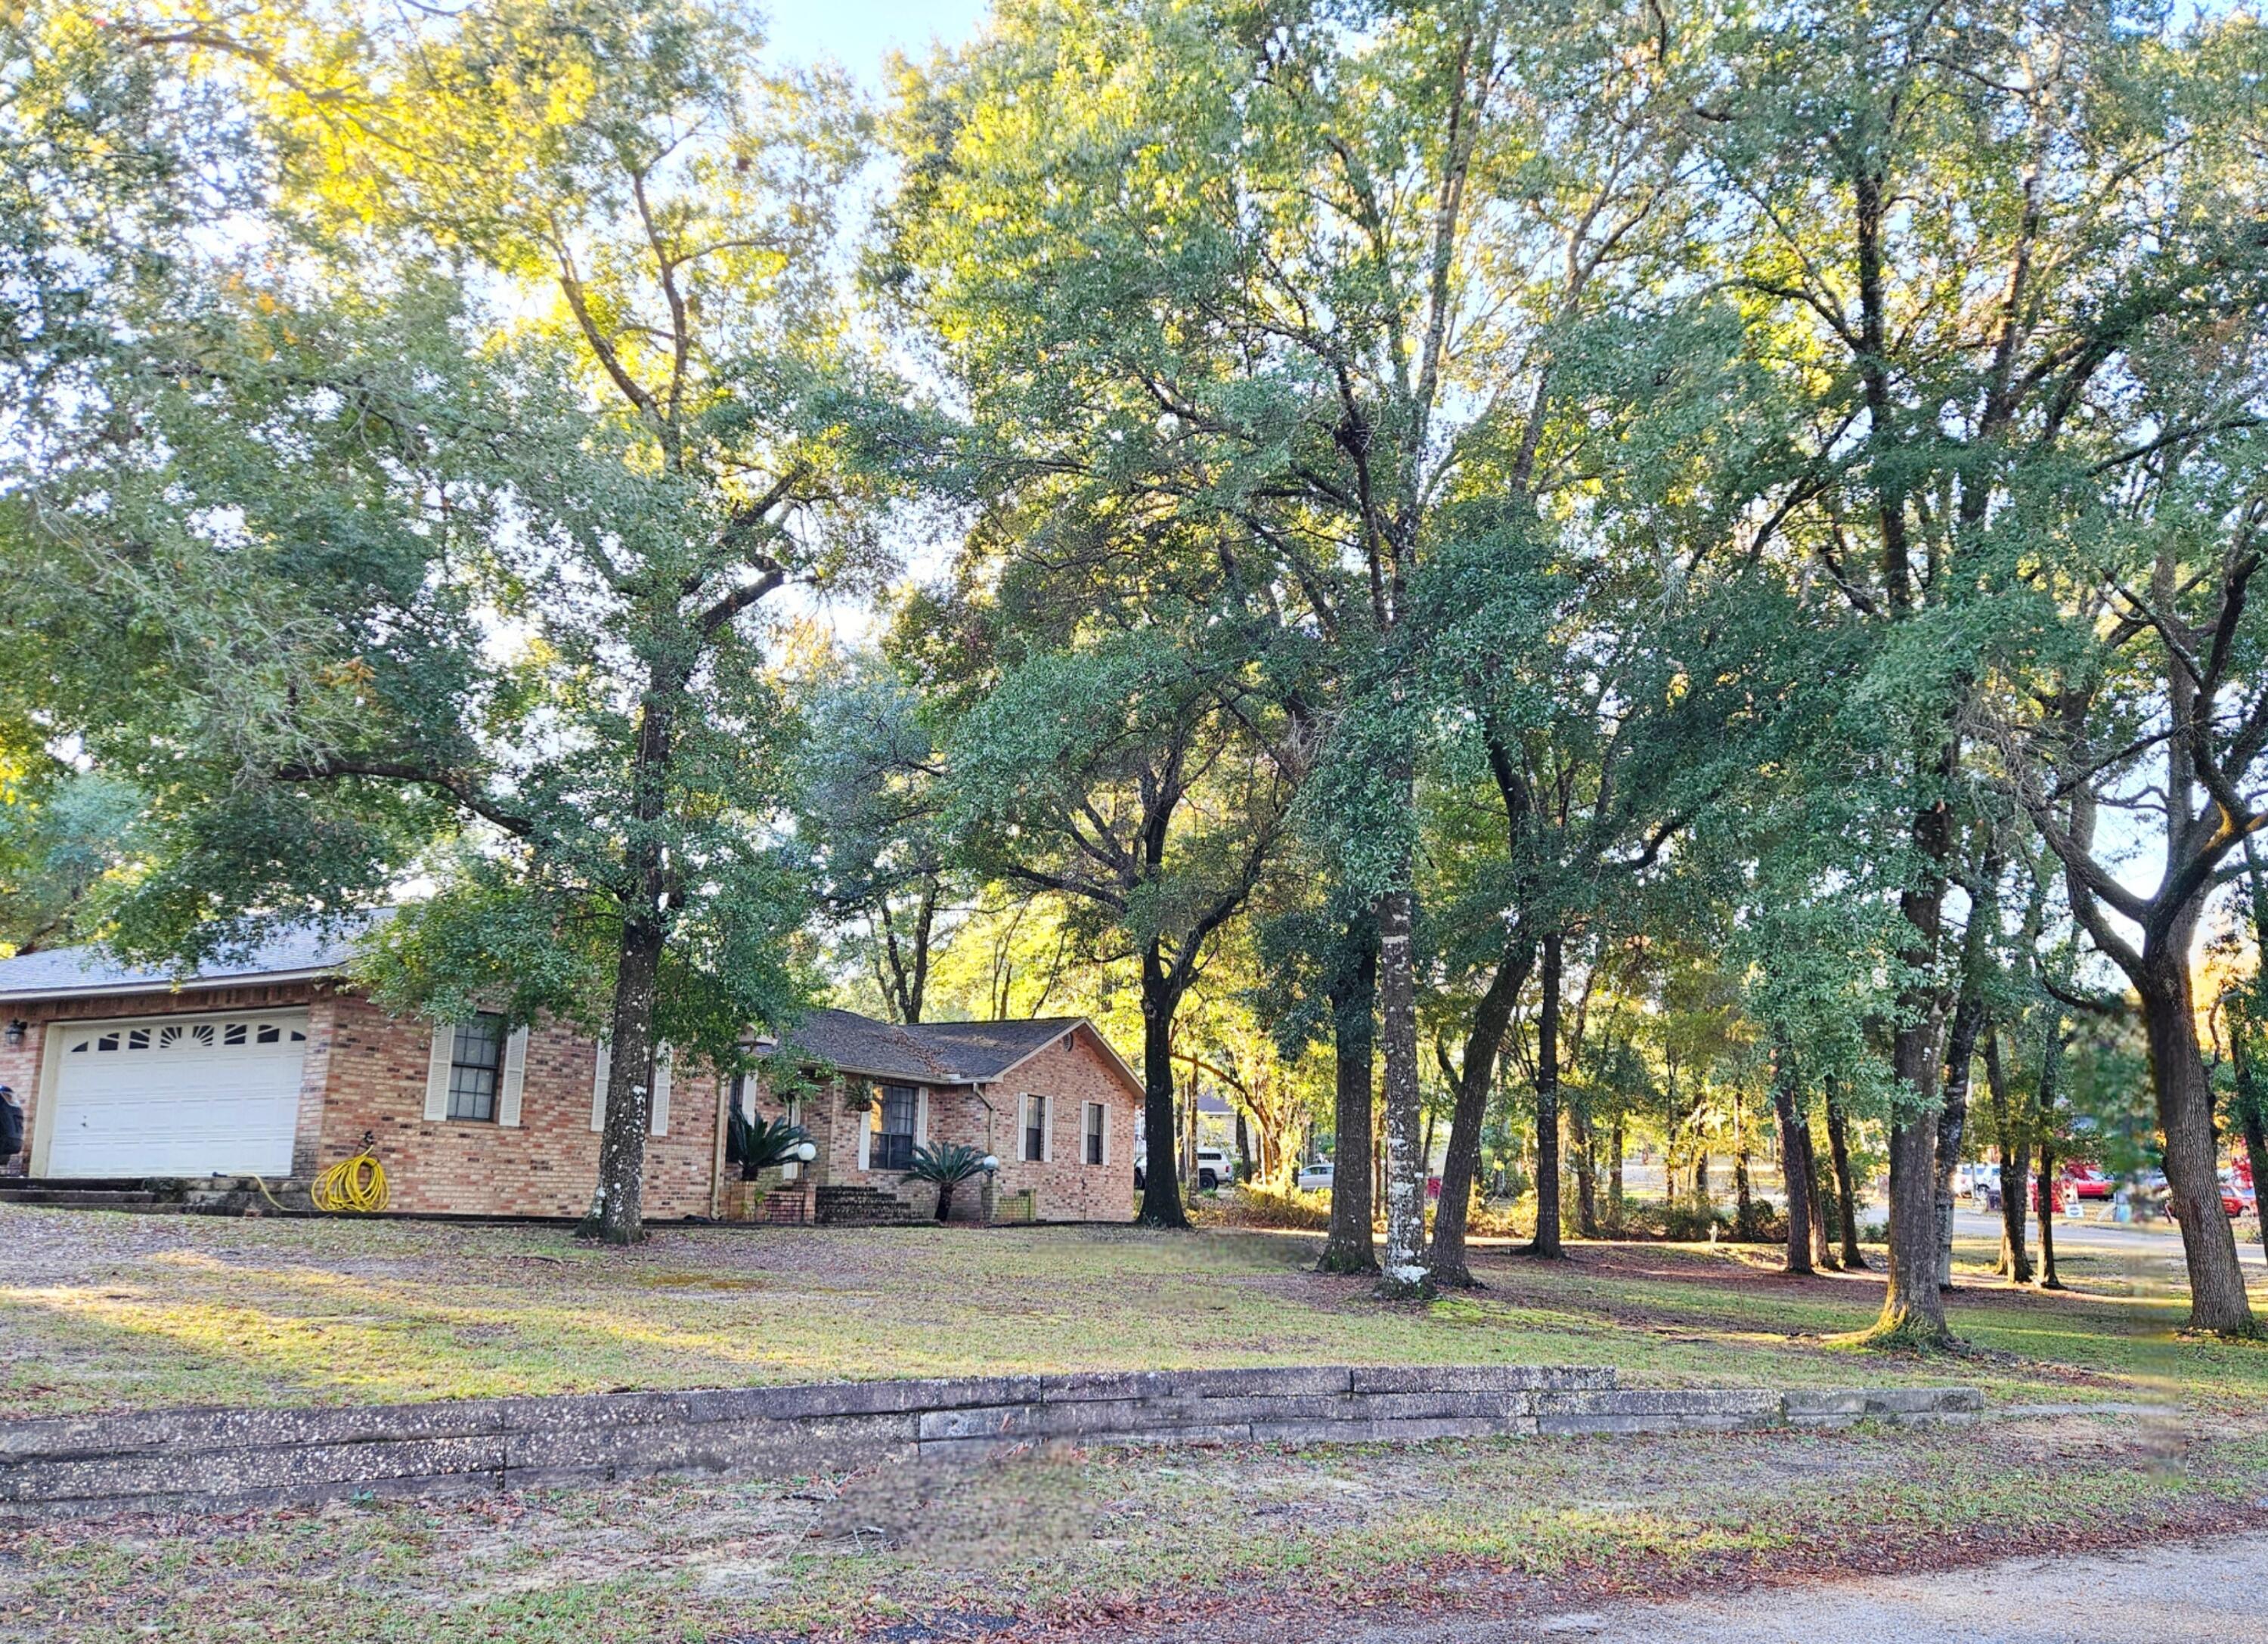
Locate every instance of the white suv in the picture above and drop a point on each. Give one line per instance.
(1214, 1169)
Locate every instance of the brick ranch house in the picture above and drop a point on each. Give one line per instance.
(273, 1065)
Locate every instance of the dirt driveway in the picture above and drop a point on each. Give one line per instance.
(2177, 1593)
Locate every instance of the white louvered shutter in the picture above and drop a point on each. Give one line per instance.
(437, 1071)
(515, 1077)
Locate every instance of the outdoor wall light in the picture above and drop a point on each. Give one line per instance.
(16, 1028)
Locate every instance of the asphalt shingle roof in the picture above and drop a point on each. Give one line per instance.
(290, 948)
(930, 1053)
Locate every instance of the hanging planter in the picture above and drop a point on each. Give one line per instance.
(859, 1096)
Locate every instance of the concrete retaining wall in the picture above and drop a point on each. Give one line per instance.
(220, 1460)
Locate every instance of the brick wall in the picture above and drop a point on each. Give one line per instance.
(366, 1071)
(547, 1164)
(1066, 1188)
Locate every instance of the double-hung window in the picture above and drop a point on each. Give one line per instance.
(1036, 1128)
(476, 1066)
(1091, 1134)
(892, 1145)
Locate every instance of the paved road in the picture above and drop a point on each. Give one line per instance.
(2202, 1592)
(2161, 1238)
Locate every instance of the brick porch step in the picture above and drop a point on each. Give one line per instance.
(217, 1195)
(74, 1197)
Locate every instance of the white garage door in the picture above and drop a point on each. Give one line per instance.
(204, 1095)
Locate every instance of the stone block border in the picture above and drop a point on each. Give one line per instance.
(226, 1460)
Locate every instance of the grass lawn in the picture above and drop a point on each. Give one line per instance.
(104, 1311)
(1245, 1544)
(100, 1311)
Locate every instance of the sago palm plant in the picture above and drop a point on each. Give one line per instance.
(948, 1167)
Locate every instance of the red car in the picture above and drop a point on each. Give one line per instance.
(2064, 1203)
(2236, 1201)
(2088, 1181)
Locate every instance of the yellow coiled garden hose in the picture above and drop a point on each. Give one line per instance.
(357, 1185)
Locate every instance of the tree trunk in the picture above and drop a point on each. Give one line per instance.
(1846, 1196)
(1823, 1242)
(1969, 1024)
(1794, 1148)
(1911, 1311)
(1377, 1161)
(2217, 1302)
(2249, 1117)
(1349, 1247)
(1913, 1304)
(617, 1208)
(1546, 1241)
(1244, 1146)
(1744, 1201)
(1189, 1138)
(617, 1211)
(1953, 1115)
(2048, 1279)
(1161, 1188)
(1614, 1176)
(943, 1200)
(2015, 1159)
(1405, 1271)
(1476, 1077)
(1587, 1171)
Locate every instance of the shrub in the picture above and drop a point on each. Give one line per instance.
(1503, 1218)
(1253, 1204)
(1688, 1220)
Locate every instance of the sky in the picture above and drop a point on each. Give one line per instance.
(859, 34)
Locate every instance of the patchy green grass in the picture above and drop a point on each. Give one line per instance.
(101, 1311)
(1233, 1544)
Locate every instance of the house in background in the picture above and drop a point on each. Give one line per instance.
(1049, 1097)
(272, 1064)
